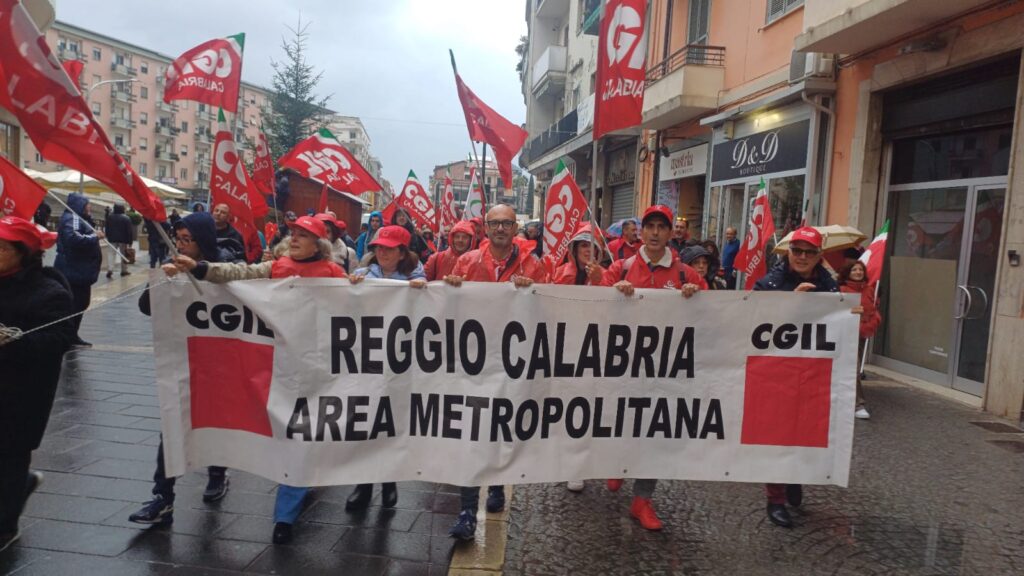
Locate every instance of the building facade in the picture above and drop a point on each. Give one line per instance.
(459, 171)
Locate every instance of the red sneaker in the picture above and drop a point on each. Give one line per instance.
(643, 510)
(614, 485)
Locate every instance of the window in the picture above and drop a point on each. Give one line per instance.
(142, 168)
(97, 55)
(118, 140)
(39, 158)
(161, 171)
(699, 22)
(184, 174)
(144, 67)
(184, 150)
(144, 92)
(779, 8)
(143, 143)
(184, 126)
(95, 108)
(120, 59)
(96, 79)
(143, 118)
(352, 134)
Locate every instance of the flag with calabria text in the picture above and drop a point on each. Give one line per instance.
(210, 73)
(229, 182)
(563, 213)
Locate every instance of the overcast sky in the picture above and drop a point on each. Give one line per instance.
(385, 61)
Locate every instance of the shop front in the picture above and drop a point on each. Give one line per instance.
(946, 164)
(619, 189)
(682, 179)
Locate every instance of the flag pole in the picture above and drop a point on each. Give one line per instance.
(483, 181)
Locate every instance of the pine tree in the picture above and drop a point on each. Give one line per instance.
(296, 111)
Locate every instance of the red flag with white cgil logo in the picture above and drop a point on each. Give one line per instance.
(322, 158)
(621, 66)
(229, 182)
(209, 73)
(416, 201)
(19, 194)
(37, 90)
(563, 214)
(751, 258)
(263, 166)
(447, 212)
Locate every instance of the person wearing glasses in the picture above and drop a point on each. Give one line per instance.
(195, 236)
(505, 258)
(800, 271)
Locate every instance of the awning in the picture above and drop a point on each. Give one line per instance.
(69, 180)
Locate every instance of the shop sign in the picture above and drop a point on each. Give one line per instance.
(778, 150)
(684, 163)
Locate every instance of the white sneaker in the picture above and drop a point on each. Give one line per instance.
(574, 485)
(862, 413)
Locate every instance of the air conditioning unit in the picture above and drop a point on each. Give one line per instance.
(804, 65)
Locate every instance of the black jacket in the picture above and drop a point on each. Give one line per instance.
(781, 278)
(78, 248)
(31, 365)
(119, 227)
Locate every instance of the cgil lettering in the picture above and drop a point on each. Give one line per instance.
(788, 336)
(226, 318)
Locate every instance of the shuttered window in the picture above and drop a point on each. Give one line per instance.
(779, 8)
(700, 17)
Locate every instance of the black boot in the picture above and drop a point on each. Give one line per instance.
(779, 516)
(359, 499)
(388, 494)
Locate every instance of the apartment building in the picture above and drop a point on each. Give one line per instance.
(459, 171)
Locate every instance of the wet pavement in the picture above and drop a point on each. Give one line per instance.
(98, 458)
(930, 494)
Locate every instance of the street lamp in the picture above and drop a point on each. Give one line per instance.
(87, 91)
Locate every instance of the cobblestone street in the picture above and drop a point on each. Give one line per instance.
(930, 493)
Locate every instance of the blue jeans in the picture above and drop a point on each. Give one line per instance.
(288, 504)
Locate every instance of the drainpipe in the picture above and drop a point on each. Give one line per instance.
(827, 176)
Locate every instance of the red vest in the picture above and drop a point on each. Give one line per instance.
(285, 267)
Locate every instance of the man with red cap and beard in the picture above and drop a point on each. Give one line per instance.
(461, 239)
(31, 296)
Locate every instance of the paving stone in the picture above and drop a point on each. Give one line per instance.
(403, 546)
(107, 434)
(94, 486)
(71, 508)
(374, 516)
(73, 537)
(186, 520)
(159, 546)
(64, 564)
(130, 469)
(301, 561)
(308, 534)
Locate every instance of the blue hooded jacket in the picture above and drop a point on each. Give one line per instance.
(367, 237)
(204, 233)
(79, 256)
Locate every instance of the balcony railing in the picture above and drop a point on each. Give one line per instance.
(66, 53)
(122, 96)
(122, 69)
(690, 55)
(166, 156)
(165, 107)
(549, 69)
(168, 131)
(124, 150)
(123, 123)
(557, 134)
(203, 137)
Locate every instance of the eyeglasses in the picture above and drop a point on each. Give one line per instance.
(804, 252)
(506, 224)
(183, 239)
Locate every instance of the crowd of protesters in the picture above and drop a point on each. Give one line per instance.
(656, 251)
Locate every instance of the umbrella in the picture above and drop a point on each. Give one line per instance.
(616, 228)
(833, 237)
(69, 180)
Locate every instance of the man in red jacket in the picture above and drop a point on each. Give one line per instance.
(502, 259)
(460, 240)
(626, 245)
(654, 266)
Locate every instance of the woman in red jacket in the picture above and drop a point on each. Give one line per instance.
(853, 280)
(580, 269)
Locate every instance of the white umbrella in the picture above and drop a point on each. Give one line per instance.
(833, 237)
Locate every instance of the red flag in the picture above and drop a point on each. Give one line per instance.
(321, 207)
(210, 73)
(74, 69)
(263, 166)
(229, 183)
(621, 66)
(447, 212)
(269, 231)
(416, 202)
(322, 158)
(874, 257)
(19, 194)
(486, 125)
(389, 212)
(751, 258)
(563, 213)
(36, 89)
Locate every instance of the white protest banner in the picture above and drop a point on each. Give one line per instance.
(316, 382)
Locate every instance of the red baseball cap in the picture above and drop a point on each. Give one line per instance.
(311, 225)
(327, 218)
(657, 210)
(807, 234)
(392, 237)
(14, 229)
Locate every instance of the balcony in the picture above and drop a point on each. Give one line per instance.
(203, 137)
(121, 95)
(122, 69)
(122, 123)
(591, 17)
(66, 53)
(555, 9)
(165, 130)
(852, 26)
(166, 156)
(162, 106)
(124, 150)
(549, 72)
(160, 79)
(683, 86)
(557, 134)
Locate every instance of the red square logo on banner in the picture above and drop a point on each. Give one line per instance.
(229, 382)
(787, 401)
